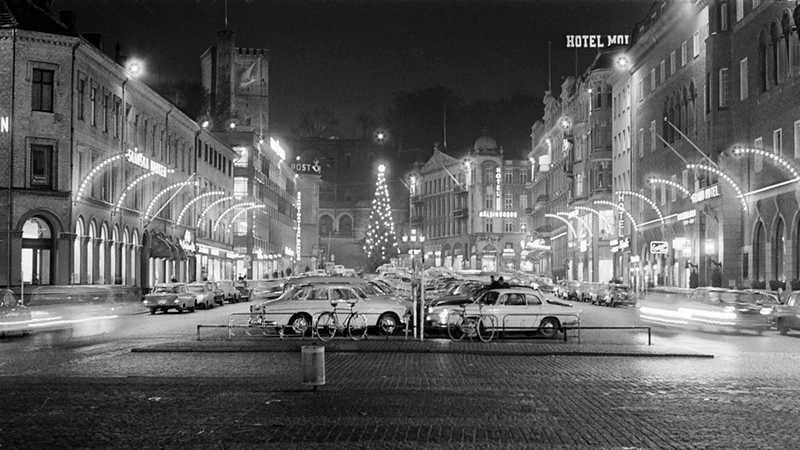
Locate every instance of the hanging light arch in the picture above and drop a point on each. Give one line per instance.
(195, 200)
(725, 177)
(647, 200)
(621, 208)
(597, 213)
(565, 221)
(164, 192)
(581, 220)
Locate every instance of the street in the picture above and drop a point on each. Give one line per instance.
(94, 392)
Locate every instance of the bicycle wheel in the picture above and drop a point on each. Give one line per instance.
(455, 326)
(326, 326)
(486, 327)
(357, 327)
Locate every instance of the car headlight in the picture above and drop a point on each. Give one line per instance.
(765, 311)
(443, 316)
(607, 297)
(175, 301)
(430, 309)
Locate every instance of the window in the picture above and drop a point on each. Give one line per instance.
(41, 165)
(81, 99)
(797, 139)
(579, 185)
(758, 162)
(663, 194)
(777, 141)
(640, 142)
(673, 195)
(723, 17)
(106, 111)
(756, 3)
(707, 94)
(653, 136)
(488, 201)
(723, 87)
(662, 69)
(509, 175)
(739, 10)
(508, 226)
(696, 44)
(488, 225)
(523, 175)
(684, 52)
(93, 106)
(117, 116)
(641, 90)
(672, 62)
(685, 180)
(509, 201)
(743, 80)
(42, 90)
(652, 79)
(523, 201)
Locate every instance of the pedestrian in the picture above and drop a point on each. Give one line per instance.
(503, 283)
(693, 279)
(493, 284)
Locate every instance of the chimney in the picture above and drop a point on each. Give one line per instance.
(68, 19)
(118, 58)
(96, 39)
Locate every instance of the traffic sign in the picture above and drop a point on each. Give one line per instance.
(247, 258)
(659, 247)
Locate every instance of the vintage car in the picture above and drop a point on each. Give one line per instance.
(242, 287)
(298, 309)
(571, 290)
(787, 316)
(614, 295)
(515, 309)
(204, 297)
(14, 317)
(171, 296)
(708, 309)
(219, 295)
(229, 291)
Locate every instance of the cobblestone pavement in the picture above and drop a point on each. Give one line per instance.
(404, 400)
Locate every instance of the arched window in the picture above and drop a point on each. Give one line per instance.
(778, 248)
(792, 44)
(682, 112)
(345, 226)
(90, 252)
(325, 226)
(126, 260)
(134, 256)
(664, 124)
(489, 170)
(759, 253)
(37, 246)
(778, 54)
(113, 272)
(764, 58)
(77, 251)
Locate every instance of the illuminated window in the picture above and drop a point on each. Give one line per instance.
(641, 90)
(652, 79)
(652, 135)
(739, 10)
(797, 139)
(488, 225)
(509, 201)
(672, 63)
(509, 175)
(508, 226)
(723, 17)
(696, 44)
(662, 69)
(42, 90)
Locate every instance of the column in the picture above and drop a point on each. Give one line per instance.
(63, 258)
(117, 249)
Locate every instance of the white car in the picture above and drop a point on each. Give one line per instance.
(516, 309)
(298, 310)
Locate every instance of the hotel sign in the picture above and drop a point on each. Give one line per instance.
(498, 175)
(497, 214)
(706, 194)
(146, 163)
(4, 124)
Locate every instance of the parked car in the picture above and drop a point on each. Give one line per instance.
(516, 309)
(229, 291)
(787, 316)
(204, 297)
(14, 317)
(175, 296)
(597, 292)
(297, 310)
(583, 292)
(219, 295)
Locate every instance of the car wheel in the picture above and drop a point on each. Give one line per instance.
(153, 310)
(782, 329)
(549, 327)
(191, 309)
(388, 323)
(210, 305)
(300, 324)
(180, 309)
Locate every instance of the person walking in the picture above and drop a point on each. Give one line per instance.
(494, 284)
(503, 283)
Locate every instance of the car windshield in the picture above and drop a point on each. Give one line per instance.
(167, 289)
(196, 289)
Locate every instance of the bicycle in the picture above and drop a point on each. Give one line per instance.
(328, 323)
(459, 324)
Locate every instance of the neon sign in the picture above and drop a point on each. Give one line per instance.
(139, 159)
(497, 214)
(498, 189)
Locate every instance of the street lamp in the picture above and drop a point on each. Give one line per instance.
(413, 239)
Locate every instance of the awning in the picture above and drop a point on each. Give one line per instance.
(160, 247)
(182, 253)
(174, 249)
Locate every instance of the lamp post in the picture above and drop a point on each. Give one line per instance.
(413, 239)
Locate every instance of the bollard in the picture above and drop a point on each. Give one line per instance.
(313, 365)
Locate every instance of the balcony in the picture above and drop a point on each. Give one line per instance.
(416, 221)
(416, 198)
(460, 213)
(544, 198)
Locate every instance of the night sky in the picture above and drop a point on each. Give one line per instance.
(350, 56)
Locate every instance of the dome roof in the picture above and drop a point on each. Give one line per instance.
(485, 143)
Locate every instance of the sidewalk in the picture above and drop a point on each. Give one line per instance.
(378, 344)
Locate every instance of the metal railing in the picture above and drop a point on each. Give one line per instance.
(579, 328)
(263, 326)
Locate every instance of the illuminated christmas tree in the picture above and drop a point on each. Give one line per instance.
(380, 243)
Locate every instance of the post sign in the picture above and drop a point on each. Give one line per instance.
(659, 247)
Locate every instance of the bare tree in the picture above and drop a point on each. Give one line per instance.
(320, 123)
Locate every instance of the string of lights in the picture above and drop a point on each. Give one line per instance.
(725, 177)
(621, 208)
(195, 200)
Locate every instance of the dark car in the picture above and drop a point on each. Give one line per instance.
(461, 294)
(617, 295)
(572, 290)
(787, 316)
(243, 288)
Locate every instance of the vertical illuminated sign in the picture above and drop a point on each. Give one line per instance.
(4, 124)
(299, 215)
(620, 216)
(498, 189)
